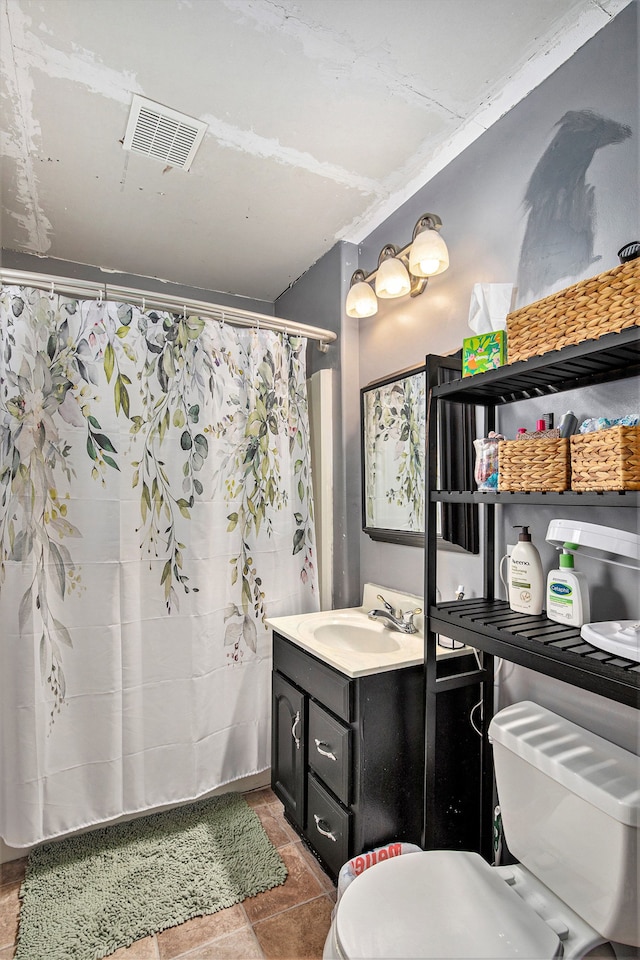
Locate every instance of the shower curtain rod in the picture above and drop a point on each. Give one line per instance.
(147, 299)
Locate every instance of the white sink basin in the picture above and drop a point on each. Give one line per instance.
(351, 631)
(348, 641)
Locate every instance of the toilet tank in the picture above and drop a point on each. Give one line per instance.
(570, 805)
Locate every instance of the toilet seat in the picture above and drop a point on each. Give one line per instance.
(438, 904)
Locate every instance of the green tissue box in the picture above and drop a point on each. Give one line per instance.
(486, 351)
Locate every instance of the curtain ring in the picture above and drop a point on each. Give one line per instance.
(143, 304)
(51, 291)
(221, 321)
(184, 311)
(100, 297)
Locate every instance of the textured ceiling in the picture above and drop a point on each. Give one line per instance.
(322, 117)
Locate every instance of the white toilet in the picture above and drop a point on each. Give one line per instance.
(570, 804)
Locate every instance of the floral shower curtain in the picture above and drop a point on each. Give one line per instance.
(155, 507)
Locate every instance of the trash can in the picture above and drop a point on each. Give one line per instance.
(357, 865)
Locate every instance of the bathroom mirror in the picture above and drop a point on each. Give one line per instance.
(393, 414)
(393, 417)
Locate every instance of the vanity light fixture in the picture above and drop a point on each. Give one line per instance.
(400, 272)
(392, 277)
(429, 255)
(361, 300)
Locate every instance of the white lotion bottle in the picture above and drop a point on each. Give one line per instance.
(526, 577)
(568, 592)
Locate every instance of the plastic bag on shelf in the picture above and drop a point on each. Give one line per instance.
(486, 466)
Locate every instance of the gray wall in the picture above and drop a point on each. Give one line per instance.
(318, 298)
(494, 200)
(480, 197)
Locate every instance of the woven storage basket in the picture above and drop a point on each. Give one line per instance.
(604, 304)
(606, 460)
(541, 464)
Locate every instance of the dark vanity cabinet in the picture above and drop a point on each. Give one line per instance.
(288, 751)
(347, 753)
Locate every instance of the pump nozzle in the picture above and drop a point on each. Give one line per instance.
(524, 532)
(566, 555)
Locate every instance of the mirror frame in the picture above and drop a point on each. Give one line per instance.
(406, 537)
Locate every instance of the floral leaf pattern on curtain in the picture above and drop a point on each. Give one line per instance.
(171, 408)
(173, 379)
(394, 430)
(251, 474)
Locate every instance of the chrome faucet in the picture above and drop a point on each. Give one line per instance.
(395, 618)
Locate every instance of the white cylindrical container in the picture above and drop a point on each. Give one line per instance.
(526, 578)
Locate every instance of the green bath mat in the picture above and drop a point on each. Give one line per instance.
(86, 896)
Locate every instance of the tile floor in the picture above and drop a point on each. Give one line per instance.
(289, 922)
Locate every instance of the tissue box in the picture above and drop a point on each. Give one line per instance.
(486, 351)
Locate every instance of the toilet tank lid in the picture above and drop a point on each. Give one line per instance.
(602, 773)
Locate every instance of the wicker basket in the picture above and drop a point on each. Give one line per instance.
(541, 464)
(606, 460)
(603, 304)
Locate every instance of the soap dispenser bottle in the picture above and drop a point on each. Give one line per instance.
(568, 592)
(526, 578)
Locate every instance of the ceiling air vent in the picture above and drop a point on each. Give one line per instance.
(160, 132)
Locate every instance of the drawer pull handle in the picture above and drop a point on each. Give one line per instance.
(293, 730)
(325, 753)
(325, 833)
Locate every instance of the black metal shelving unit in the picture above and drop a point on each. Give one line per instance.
(613, 356)
(540, 644)
(570, 498)
(487, 624)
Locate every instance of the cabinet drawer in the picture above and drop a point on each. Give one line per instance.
(321, 682)
(328, 751)
(328, 826)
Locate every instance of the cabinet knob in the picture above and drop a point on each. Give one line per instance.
(293, 730)
(320, 744)
(325, 833)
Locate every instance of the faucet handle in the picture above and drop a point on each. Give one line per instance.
(386, 604)
(408, 615)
